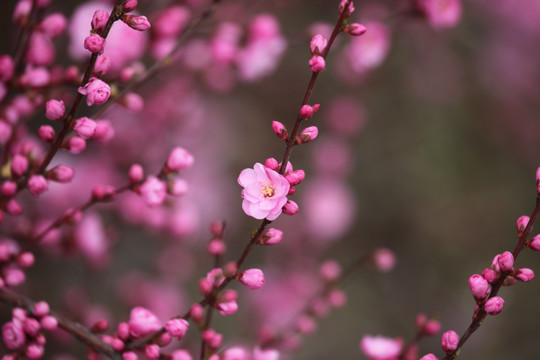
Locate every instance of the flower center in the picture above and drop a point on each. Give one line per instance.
(267, 189)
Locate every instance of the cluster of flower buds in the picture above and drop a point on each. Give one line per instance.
(142, 322)
(23, 335)
(12, 261)
(317, 47)
(154, 189)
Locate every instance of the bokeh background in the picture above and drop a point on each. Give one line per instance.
(436, 161)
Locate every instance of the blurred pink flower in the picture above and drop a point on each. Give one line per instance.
(380, 347)
(265, 192)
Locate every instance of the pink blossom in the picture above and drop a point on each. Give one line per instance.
(170, 21)
(96, 91)
(94, 43)
(506, 261)
(153, 191)
(85, 127)
(227, 307)
(151, 351)
(317, 63)
(179, 159)
(49, 322)
(91, 239)
(181, 355)
(53, 25)
(384, 259)
(235, 353)
(40, 50)
(280, 130)
(449, 341)
(177, 327)
(41, 308)
(355, 29)
(13, 335)
(99, 20)
(330, 270)
(104, 131)
(318, 44)
(479, 286)
(369, 51)
(35, 76)
(271, 236)
(102, 66)
(143, 322)
(308, 134)
(265, 354)
(429, 357)
(7, 67)
(34, 351)
(130, 5)
(55, 109)
(37, 184)
(252, 278)
(264, 192)
(521, 224)
(380, 347)
(19, 165)
(139, 23)
(534, 243)
(61, 173)
(441, 13)
(524, 274)
(290, 208)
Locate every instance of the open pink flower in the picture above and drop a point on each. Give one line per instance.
(265, 192)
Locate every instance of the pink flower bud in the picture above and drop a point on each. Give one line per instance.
(14, 277)
(7, 68)
(307, 111)
(216, 247)
(133, 102)
(104, 131)
(135, 173)
(94, 43)
(318, 44)
(479, 286)
(534, 243)
(380, 347)
(13, 207)
(490, 275)
(6, 130)
(432, 327)
(139, 23)
(61, 173)
(151, 351)
(226, 308)
(213, 338)
(429, 357)
(449, 341)
(102, 66)
(197, 312)
(96, 91)
(85, 127)
(355, 29)
(123, 330)
(271, 236)
(19, 165)
(290, 208)
(317, 63)
(130, 5)
(8, 188)
(41, 308)
(26, 259)
(272, 163)
(143, 322)
(127, 355)
(266, 354)
(494, 305)
(49, 322)
(75, 145)
(153, 191)
(216, 228)
(46, 133)
(524, 274)
(181, 355)
(330, 270)
(306, 325)
(103, 192)
(31, 326)
(177, 187)
(280, 130)
(345, 10)
(53, 25)
(506, 261)
(521, 224)
(99, 20)
(55, 109)
(295, 177)
(177, 327)
(384, 259)
(164, 339)
(34, 351)
(179, 159)
(230, 269)
(37, 184)
(252, 278)
(307, 135)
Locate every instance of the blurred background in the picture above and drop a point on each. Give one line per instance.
(428, 144)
